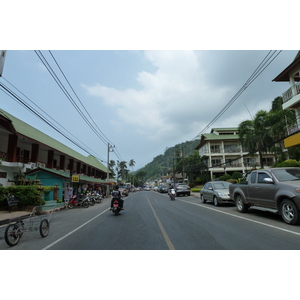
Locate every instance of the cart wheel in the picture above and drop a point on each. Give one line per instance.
(12, 235)
(44, 228)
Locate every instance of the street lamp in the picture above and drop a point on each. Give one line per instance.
(224, 166)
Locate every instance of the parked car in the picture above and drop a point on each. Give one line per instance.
(163, 188)
(124, 191)
(182, 189)
(216, 191)
(275, 190)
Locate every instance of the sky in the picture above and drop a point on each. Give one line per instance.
(142, 101)
(146, 101)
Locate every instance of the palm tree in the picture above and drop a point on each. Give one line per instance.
(123, 169)
(111, 165)
(131, 164)
(254, 134)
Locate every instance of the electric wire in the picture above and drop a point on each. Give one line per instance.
(57, 80)
(108, 141)
(14, 96)
(51, 71)
(95, 154)
(262, 66)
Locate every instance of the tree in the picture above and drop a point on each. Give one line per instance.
(111, 166)
(131, 164)
(254, 135)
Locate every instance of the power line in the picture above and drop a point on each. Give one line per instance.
(60, 84)
(262, 66)
(14, 96)
(108, 141)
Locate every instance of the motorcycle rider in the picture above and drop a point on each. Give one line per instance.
(116, 195)
(170, 188)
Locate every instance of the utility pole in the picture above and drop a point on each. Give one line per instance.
(2, 59)
(109, 149)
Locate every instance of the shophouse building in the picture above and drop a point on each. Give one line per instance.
(26, 150)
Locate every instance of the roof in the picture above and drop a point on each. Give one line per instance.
(220, 137)
(284, 75)
(64, 174)
(26, 130)
(216, 137)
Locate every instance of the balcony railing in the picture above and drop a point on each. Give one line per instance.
(291, 92)
(293, 129)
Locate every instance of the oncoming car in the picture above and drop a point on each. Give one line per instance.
(216, 191)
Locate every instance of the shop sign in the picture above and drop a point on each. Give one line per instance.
(75, 178)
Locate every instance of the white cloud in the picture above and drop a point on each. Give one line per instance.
(171, 101)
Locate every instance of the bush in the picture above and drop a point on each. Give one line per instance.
(28, 195)
(225, 177)
(237, 175)
(289, 163)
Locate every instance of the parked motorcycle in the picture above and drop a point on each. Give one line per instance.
(75, 201)
(172, 194)
(97, 197)
(90, 199)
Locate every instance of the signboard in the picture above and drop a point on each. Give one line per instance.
(75, 178)
(2, 59)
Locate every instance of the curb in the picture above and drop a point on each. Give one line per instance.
(7, 221)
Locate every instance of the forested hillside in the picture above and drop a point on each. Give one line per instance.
(162, 164)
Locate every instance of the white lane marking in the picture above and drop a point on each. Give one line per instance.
(243, 218)
(71, 232)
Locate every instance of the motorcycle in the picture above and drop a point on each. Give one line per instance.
(78, 202)
(172, 194)
(116, 207)
(97, 197)
(90, 199)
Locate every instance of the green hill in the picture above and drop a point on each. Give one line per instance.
(162, 164)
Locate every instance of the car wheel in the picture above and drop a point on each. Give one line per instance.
(202, 199)
(216, 202)
(240, 204)
(289, 212)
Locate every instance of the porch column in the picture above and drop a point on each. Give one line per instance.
(35, 153)
(12, 148)
(62, 162)
(50, 159)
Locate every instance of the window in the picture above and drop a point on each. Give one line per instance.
(3, 174)
(261, 177)
(215, 148)
(216, 162)
(231, 148)
(253, 177)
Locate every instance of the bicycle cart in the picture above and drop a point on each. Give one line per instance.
(39, 219)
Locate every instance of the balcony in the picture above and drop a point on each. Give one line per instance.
(291, 92)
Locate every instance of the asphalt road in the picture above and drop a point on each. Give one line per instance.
(151, 221)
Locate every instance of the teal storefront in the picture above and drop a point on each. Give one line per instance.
(61, 179)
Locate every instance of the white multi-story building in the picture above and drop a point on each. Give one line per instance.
(291, 99)
(226, 155)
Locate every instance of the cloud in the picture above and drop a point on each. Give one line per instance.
(172, 101)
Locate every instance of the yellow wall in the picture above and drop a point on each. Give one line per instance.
(293, 140)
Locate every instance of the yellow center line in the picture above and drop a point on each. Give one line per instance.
(164, 233)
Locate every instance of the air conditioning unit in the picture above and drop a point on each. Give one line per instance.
(42, 165)
(32, 165)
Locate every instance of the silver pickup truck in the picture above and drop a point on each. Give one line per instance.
(276, 190)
